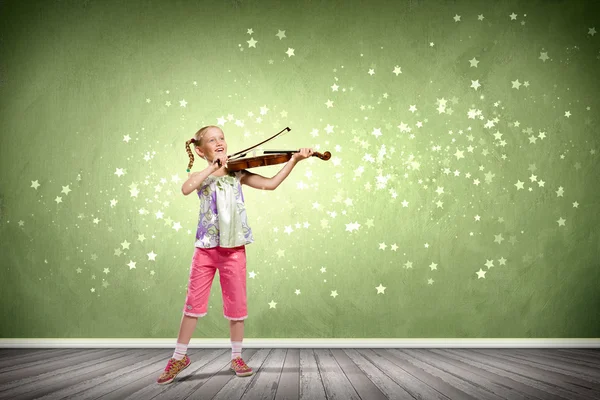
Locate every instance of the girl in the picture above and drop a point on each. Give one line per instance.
(221, 237)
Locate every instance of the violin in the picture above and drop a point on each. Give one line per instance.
(236, 162)
(271, 157)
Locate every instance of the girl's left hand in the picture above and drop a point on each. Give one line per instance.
(303, 154)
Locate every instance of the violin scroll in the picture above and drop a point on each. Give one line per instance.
(323, 156)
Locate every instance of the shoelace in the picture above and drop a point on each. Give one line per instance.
(171, 363)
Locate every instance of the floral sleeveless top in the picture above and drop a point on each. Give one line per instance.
(222, 220)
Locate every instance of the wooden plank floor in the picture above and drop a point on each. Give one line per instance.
(367, 374)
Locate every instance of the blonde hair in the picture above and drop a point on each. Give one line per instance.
(197, 140)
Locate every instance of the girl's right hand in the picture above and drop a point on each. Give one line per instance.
(222, 158)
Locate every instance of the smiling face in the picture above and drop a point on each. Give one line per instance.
(212, 143)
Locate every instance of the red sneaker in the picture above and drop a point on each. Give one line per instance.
(173, 368)
(240, 368)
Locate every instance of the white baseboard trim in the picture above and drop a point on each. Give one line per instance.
(305, 343)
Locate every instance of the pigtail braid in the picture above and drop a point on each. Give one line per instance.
(190, 154)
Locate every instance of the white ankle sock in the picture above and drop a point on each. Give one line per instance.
(236, 349)
(180, 351)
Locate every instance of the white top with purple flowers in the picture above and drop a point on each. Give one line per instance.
(222, 220)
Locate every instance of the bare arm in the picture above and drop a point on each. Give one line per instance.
(195, 179)
(260, 182)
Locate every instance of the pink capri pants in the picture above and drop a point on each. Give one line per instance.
(231, 263)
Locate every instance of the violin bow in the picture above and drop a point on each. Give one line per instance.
(243, 152)
(324, 156)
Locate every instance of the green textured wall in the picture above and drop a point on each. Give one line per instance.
(464, 180)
